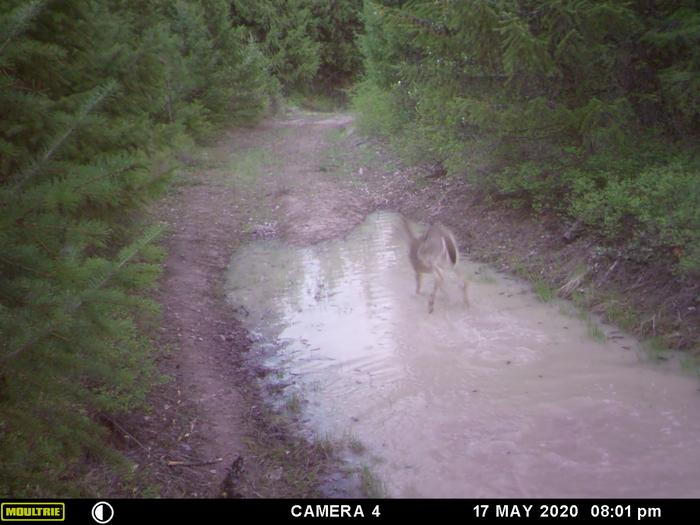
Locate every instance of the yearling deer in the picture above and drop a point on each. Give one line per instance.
(434, 252)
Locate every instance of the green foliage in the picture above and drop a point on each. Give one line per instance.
(585, 108)
(655, 207)
(95, 97)
(284, 30)
(310, 45)
(376, 111)
(336, 25)
(215, 72)
(543, 291)
(75, 139)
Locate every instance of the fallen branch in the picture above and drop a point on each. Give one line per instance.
(126, 433)
(572, 284)
(172, 463)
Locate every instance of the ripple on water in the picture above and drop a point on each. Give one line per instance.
(506, 398)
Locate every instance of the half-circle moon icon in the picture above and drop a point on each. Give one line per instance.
(102, 512)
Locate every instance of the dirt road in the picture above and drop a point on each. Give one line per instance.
(301, 178)
(274, 180)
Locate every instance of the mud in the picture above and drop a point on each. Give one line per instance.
(215, 434)
(510, 397)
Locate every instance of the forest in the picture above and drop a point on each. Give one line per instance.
(583, 110)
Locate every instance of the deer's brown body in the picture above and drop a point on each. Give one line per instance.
(435, 252)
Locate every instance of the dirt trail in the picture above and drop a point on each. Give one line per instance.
(301, 178)
(265, 181)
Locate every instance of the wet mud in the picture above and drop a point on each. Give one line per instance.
(509, 397)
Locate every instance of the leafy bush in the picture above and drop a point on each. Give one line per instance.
(658, 207)
(375, 109)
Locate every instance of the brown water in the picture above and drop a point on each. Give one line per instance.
(510, 397)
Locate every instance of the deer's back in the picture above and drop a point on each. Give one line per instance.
(436, 247)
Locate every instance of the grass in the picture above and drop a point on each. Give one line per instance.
(333, 159)
(355, 445)
(579, 300)
(656, 350)
(294, 404)
(372, 486)
(285, 464)
(242, 168)
(544, 292)
(366, 154)
(620, 313)
(577, 308)
(335, 135)
(326, 446)
(344, 158)
(522, 271)
(542, 289)
(245, 167)
(593, 329)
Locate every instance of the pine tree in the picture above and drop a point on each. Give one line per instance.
(239, 79)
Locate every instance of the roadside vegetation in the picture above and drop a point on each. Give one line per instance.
(587, 109)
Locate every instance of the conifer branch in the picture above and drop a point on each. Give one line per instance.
(18, 19)
(431, 26)
(99, 94)
(127, 255)
(10, 262)
(78, 189)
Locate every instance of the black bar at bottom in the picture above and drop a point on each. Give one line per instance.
(202, 512)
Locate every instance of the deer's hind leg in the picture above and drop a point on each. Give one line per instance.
(418, 282)
(438, 283)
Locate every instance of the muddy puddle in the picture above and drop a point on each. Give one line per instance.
(510, 397)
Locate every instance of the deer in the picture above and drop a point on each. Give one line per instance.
(435, 252)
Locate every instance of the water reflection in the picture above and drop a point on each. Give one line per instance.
(509, 397)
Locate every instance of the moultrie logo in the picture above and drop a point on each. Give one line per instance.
(32, 511)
